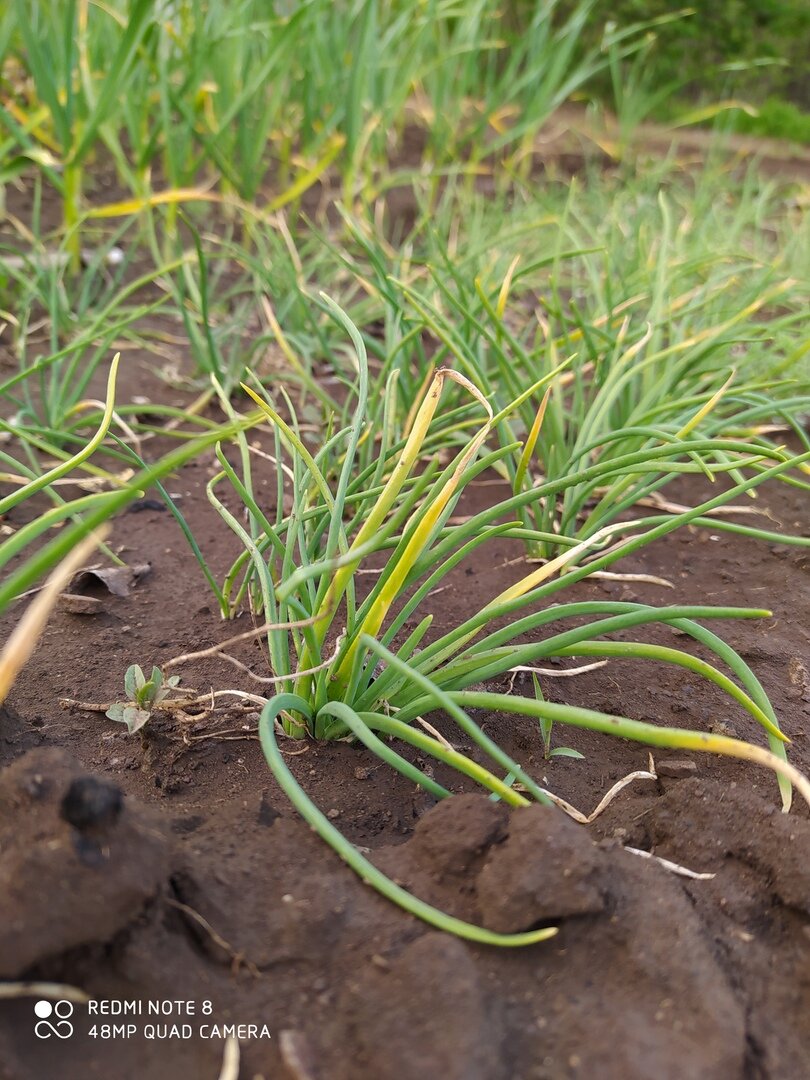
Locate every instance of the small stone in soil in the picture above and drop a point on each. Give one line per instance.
(723, 727)
(677, 768)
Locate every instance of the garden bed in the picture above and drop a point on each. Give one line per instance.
(208, 887)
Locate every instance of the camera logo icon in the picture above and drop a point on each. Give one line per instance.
(53, 1019)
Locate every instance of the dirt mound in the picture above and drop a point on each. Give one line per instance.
(65, 834)
(651, 974)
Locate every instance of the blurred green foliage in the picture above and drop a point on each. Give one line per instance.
(722, 45)
(778, 119)
(755, 50)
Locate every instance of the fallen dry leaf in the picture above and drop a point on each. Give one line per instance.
(119, 580)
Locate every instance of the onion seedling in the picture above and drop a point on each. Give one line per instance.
(363, 665)
(621, 398)
(86, 512)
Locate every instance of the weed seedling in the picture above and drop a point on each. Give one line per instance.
(144, 696)
(546, 725)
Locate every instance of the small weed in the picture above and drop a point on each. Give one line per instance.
(546, 725)
(144, 696)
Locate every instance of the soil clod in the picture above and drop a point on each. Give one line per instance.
(101, 887)
(548, 868)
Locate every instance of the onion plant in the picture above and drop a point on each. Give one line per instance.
(364, 664)
(241, 94)
(623, 395)
(32, 549)
(687, 351)
(61, 325)
(67, 112)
